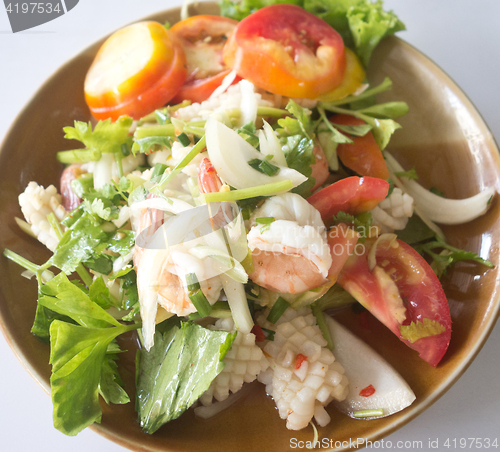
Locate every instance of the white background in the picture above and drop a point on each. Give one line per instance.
(462, 36)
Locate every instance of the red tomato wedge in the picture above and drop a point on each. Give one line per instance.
(351, 195)
(342, 241)
(320, 170)
(286, 50)
(203, 37)
(401, 288)
(364, 155)
(137, 70)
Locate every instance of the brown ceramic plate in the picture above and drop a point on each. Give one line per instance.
(443, 136)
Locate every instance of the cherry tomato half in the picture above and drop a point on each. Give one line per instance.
(364, 155)
(286, 50)
(351, 195)
(203, 37)
(418, 286)
(137, 70)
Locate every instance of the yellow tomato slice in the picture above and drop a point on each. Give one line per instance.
(353, 78)
(138, 69)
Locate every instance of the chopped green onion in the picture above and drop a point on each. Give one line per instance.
(271, 111)
(192, 282)
(184, 139)
(320, 320)
(369, 413)
(25, 227)
(252, 192)
(79, 156)
(197, 296)
(266, 222)
(165, 130)
(277, 310)
(264, 166)
(197, 131)
(158, 171)
(197, 148)
(269, 334)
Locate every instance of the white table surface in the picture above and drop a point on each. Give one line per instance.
(462, 36)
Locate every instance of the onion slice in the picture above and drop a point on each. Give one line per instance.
(364, 367)
(438, 209)
(230, 154)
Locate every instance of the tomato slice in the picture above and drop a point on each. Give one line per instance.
(401, 288)
(354, 77)
(364, 155)
(203, 37)
(137, 70)
(342, 241)
(286, 50)
(320, 170)
(351, 195)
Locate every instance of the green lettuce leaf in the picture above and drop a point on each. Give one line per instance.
(177, 370)
(361, 23)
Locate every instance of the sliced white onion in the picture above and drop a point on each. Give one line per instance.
(103, 170)
(363, 367)
(248, 103)
(270, 145)
(226, 83)
(228, 264)
(438, 209)
(230, 154)
(237, 299)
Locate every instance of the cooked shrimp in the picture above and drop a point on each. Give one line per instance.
(161, 271)
(69, 199)
(320, 170)
(208, 180)
(291, 254)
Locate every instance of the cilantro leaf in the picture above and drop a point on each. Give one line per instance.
(111, 385)
(78, 243)
(179, 368)
(107, 136)
(445, 255)
(99, 294)
(151, 144)
(361, 222)
(43, 319)
(65, 298)
(77, 355)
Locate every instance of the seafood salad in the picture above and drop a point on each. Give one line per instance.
(233, 190)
